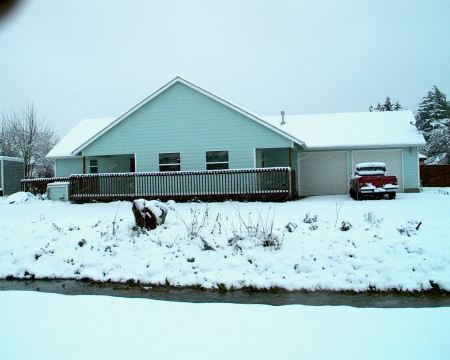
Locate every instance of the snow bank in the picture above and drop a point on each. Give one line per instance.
(101, 327)
(293, 245)
(20, 197)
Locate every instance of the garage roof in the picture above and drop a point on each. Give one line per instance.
(359, 129)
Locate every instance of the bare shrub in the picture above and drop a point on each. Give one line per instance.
(372, 219)
(291, 226)
(197, 223)
(261, 230)
(308, 219)
(345, 226)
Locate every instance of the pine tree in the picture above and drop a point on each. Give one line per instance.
(386, 106)
(433, 120)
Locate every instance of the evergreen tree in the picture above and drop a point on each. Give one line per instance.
(386, 106)
(433, 120)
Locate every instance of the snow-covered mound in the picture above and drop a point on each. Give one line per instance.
(20, 198)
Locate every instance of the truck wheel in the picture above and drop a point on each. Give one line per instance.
(352, 194)
(391, 196)
(359, 196)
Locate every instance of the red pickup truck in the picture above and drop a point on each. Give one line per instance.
(372, 180)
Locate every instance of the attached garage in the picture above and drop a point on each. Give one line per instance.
(392, 159)
(323, 173)
(334, 143)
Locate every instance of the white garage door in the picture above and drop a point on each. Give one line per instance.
(392, 159)
(323, 173)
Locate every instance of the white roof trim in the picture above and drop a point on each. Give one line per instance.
(202, 91)
(359, 146)
(9, 158)
(66, 157)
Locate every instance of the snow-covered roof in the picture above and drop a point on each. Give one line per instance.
(317, 131)
(359, 129)
(80, 134)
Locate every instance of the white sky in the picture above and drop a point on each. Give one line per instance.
(83, 59)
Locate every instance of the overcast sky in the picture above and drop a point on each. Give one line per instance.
(82, 59)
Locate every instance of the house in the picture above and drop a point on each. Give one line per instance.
(182, 127)
(11, 171)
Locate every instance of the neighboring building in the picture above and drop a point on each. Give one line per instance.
(422, 159)
(11, 172)
(184, 127)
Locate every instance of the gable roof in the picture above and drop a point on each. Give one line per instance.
(317, 131)
(359, 129)
(81, 133)
(196, 88)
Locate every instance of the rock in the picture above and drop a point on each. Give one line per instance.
(149, 214)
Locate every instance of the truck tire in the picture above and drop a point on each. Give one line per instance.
(352, 194)
(391, 196)
(359, 196)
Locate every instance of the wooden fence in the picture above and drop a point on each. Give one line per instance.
(39, 186)
(266, 184)
(435, 175)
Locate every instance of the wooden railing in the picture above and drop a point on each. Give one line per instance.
(265, 184)
(39, 186)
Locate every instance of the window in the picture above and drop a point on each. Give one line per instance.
(169, 162)
(93, 166)
(217, 160)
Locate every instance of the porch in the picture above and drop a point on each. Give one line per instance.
(260, 184)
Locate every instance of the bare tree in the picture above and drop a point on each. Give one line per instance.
(24, 135)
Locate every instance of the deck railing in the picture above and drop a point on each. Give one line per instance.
(274, 184)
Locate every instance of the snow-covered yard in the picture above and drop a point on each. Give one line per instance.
(49, 326)
(402, 244)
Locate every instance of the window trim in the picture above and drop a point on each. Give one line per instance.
(93, 166)
(217, 162)
(169, 164)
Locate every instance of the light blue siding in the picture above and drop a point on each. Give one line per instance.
(183, 120)
(66, 167)
(411, 168)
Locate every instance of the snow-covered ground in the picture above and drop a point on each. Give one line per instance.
(49, 326)
(294, 245)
